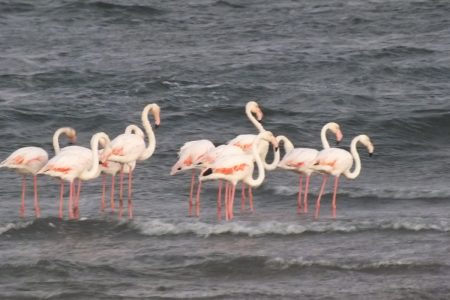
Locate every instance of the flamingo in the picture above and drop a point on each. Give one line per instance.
(129, 147)
(337, 162)
(69, 165)
(245, 142)
(235, 168)
(29, 160)
(190, 152)
(300, 160)
(112, 168)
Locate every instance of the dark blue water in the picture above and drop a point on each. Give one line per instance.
(376, 67)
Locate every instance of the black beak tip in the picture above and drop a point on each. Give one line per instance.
(277, 148)
(370, 154)
(337, 143)
(156, 126)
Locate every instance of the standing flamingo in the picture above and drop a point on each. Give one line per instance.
(128, 147)
(112, 168)
(188, 154)
(300, 160)
(234, 168)
(245, 142)
(29, 160)
(335, 161)
(70, 165)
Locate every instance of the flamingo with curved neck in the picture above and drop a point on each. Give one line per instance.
(235, 168)
(337, 162)
(73, 164)
(300, 160)
(128, 147)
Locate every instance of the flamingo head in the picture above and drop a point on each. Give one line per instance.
(254, 108)
(365, 140)
(106, 152)
(268, 136)
(72, 135)
(336, 129)
(156, 111)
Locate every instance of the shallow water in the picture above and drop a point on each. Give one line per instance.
(375, 67)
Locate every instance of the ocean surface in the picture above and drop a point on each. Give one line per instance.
(377, 67)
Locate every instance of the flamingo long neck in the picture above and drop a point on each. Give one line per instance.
(252, 119)
(94, 169)
(261, 172)
(323, 137)
(355, 173)
(149, 131)
(287, 144)
(56, 135)
(274, 164)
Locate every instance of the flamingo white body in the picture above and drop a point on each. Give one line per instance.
(130, 147)
(29, 160)
(301, 160)
(235, 168)
(188, 155)
(112, 168)
(337, 162)
(71, 164)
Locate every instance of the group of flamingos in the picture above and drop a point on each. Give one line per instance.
(75, 163)
(233, 163)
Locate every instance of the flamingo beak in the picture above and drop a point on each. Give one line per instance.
(73, 140)
(259, 114)
(339, 137)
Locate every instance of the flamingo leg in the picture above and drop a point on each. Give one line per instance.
(322, 188)
(250, 196)
(71, 200)
(76, 208)
(299, 199)
(121, 192)
(113, 181)
(197, 200)
(130, 203)
(102, 207)
(191, 193)
(226, 200)
(243, 197)
(24, 189)
(219, 201)
(37, 210)
(305, 200)
(333, 203)
(233, 190)
(61, 200)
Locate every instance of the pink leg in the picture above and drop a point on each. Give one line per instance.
(305, 200)
(191, 193)
(121, 192)
(113, 181)
(130, 203)
(102, 207)
(250, 196)
(24, 189)
(299, 199)
(61, 200)
(71, 199)
(197, 201)
(233, 190)
(322, 188)
(227, 188)
(76, 209)
(333, 203)
(219, 201)
(37, 210)
(243, 197)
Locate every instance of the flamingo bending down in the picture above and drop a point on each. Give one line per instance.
(335, 161)
(300, 160)
(29, 160)
(129, 147)
(189, 153)
(69, 165)
(112, 168)
(234, 168)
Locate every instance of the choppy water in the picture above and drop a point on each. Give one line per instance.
(377, 67)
